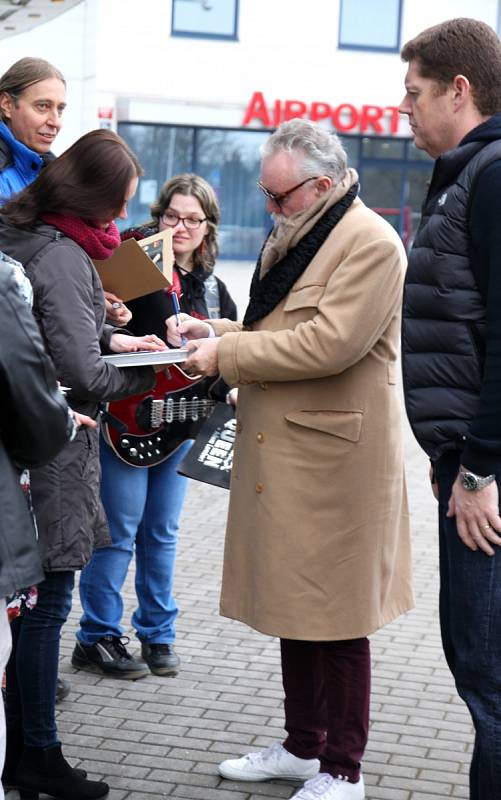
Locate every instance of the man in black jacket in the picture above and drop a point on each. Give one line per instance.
(34, 426)
(452, 353)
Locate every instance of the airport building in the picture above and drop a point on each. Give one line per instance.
(197, 85)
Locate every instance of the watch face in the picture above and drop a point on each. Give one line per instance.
(469, 481)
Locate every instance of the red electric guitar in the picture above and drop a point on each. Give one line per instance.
(145, 429)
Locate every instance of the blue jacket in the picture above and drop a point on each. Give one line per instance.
(19, 165)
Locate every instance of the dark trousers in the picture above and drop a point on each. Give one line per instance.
(470, 618)
(327, 696)
(33, 664)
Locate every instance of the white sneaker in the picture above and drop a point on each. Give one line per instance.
(272, 762)
(325, 787)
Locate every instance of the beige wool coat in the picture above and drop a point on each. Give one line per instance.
(317, 542)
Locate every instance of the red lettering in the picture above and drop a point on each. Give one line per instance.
(394, 118)
(370, 118)
(293, 109)
(257, 110)
(320, 111)
(338, 114)
(344, 117)
(277, 113)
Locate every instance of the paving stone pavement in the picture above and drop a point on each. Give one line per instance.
(162, 737)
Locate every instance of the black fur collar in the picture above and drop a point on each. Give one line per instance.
(267, 293)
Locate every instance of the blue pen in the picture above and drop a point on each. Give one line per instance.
(177, 311)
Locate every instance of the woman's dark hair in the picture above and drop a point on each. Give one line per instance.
(89, 180)
(204, 257)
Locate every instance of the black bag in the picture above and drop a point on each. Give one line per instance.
(211, 457)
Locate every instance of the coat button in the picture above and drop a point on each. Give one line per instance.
(239, 427)
(260, 438)
(263, 385)
(259, 488)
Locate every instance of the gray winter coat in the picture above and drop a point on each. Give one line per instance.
(70, 311)
(34, 426)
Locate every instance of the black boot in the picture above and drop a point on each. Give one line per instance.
(13, 753)
(46, 770)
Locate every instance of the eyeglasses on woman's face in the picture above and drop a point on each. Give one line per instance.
(171, 219)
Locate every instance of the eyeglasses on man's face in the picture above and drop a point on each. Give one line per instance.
(279, 198)
(190, 223)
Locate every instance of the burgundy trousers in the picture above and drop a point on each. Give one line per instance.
(327, 697)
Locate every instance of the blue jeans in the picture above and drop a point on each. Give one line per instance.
(33, 664)
(470, 616)
(143, 506)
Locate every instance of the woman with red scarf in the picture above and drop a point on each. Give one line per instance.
(55, 227)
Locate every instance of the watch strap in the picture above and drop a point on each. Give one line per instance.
(472, 482)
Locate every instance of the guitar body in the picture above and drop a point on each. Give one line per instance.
(144, 429)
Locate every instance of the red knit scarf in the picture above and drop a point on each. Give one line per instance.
(97, 242)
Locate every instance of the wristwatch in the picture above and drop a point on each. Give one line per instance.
(472, 482)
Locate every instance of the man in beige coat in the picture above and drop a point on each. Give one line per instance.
(317, 547)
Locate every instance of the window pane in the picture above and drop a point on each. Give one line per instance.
(416, 187)
(205, 17)
(382, 148)
(370, 23)
(380, 186)
(352, 146)
(414, 154)
(380, 189)
(230, 162)
(163, 152)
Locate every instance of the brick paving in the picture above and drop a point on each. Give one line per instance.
(162, 737)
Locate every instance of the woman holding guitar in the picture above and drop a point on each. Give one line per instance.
(147, 437)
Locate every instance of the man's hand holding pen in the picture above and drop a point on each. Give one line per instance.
(203, 347)
(182, 326)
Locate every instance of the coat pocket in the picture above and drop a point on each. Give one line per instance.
(344, 424)
(304, 297)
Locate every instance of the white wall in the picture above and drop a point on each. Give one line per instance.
(121, 52)
(286, 50)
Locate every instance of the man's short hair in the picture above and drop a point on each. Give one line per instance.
(461, 46)
(321, 150)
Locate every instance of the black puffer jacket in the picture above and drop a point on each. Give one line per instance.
(444, 313)
(34, 427)
(69, 308)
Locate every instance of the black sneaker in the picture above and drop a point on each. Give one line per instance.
(109, 656)
(162, 659)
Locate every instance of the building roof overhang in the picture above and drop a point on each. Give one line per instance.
(18, 16)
